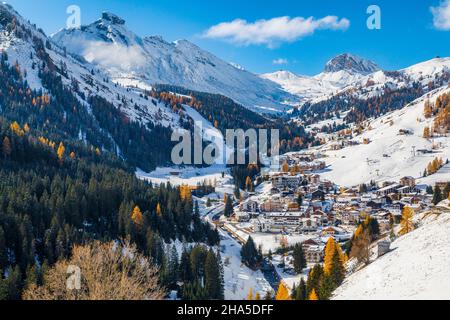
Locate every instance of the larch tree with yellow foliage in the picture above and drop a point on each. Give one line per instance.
(250, 294)
(334, 264)
(60, 151)
(407, 224)
(283, 292)
(137, 217)
(249, 184)
(15, 127)
(285, 167)
(361, 245)
(185, 192)
(313, 296)
(158, 210)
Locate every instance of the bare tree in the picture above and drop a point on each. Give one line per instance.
(106, 271)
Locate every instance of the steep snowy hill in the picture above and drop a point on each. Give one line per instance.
(87, 79)
(132, 60)
(68, 77)
(389, 155)
(416, 268)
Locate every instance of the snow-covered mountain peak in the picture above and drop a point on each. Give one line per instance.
(282, 75)
(352, 64)
(111, 17)
(131, 60)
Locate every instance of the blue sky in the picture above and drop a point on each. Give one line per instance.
(408, 34)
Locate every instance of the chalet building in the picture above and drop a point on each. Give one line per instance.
(249, 206)
(242, 216)
(261, 225)
(286, 181)
(314, 254)
(390, 189)
(272, 206)
(313, 179)
(408, 182)
(311, 166)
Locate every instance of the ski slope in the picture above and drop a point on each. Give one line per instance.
(389, 155)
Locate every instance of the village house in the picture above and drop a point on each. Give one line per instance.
(249, 206)
(387, 190)
(272, 205)
(285, 181)
(242, 216)
(314, 254)
(408, 182)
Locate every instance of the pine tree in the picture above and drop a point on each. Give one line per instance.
(446, 193)
(299, 258)
(437, 196)
(250, 255)
(337, 271)
(407, 224)
(172, 268)
(300, 200)
(6, 148)
(213, 277)
(300, 293)
(228, 211)
(315, 279)
(185, 267)
(268, 296)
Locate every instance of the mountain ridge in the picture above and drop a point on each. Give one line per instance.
(152, 60)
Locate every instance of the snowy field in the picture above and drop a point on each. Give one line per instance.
(184, 176)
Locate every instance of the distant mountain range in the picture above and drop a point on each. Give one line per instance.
(142, 62)
(364, 78)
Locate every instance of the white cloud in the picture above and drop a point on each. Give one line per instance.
(114, 55)
(274, 31)
(280, 61)
(441, 15)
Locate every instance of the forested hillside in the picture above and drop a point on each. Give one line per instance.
(226, 114)
(56, 195)
(67, 164)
